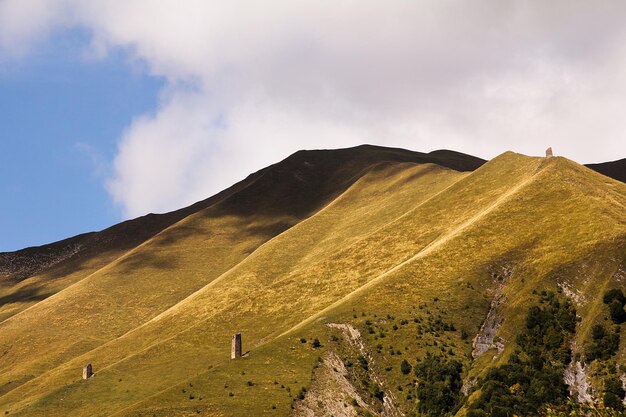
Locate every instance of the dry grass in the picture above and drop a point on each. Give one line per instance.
(406, 242)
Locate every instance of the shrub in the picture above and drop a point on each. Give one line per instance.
(363, 362)
(614, 294)
(616, 300)
(604, 344)
(405, 367)
(316, 343)
(616, 311)
(613, 394)
(439, 388)
(376, 392)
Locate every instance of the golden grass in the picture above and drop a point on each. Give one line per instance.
(406, 241)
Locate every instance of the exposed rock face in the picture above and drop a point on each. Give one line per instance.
(486, 337)
(235, 348)
(574, 294)
(468, 385)
(575, 377)
(353, 335)
(87, 371)
(331, 392)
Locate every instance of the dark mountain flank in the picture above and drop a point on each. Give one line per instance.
(614, 169)
(298, 185)
(362, 281)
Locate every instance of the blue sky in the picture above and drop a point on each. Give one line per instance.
(60, 117)
(112, 109)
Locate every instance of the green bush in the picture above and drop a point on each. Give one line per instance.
(616, 311)
(376, 391)
(405, 367)
(604, 343)
(613, 394)
(616, 300)
(439, 385)
(363, 362)
(614, 294)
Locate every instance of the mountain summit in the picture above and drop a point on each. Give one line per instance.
(362, 281)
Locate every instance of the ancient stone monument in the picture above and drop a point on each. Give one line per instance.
(87, 371)
(235, 349)
(549, 153)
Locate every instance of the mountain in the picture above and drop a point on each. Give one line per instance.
(613, 169)
(362, 280)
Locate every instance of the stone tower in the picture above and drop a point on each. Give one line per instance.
(549, 153)
(235, 349)
(87, 371)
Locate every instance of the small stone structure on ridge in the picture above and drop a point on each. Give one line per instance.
(549, 153)
(87, 371)
(235, 349)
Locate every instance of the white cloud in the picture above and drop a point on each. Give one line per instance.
(251, 81)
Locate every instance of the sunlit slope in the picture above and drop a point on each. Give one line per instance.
(544, 223)
(297, 274)
(33, 274)
(154, 276)
(296, 186)
(369, 192)
(402, 241)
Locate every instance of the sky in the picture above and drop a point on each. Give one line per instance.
(111, 109)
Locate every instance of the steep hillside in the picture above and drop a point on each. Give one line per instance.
(295, 187)
(365, 280)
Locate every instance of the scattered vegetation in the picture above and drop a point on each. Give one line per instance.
(604, 343)
(405, 367)
(533, 375)
(389, 215)
(573, 409)
(439, 385)
(616, 300)
(613, 393)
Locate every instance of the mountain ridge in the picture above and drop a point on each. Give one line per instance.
(411, 255)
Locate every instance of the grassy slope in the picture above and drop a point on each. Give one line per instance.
(312, 177)
(145, 281)
(398, 238)
(34, 274)
(161, 329)
(497, 238)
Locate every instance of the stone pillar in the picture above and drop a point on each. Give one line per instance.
(87, 371)
(549, 153)
(235, 349)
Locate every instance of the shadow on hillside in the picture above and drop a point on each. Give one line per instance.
(24, 295)
(265, 227)
(144, 260)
